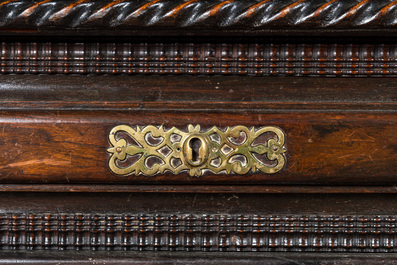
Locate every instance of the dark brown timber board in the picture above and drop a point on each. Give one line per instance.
(354, 205)
(69, 92)
(322, 147)
(139, 257)
(116, 188)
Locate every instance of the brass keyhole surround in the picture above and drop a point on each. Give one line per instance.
(195, 150)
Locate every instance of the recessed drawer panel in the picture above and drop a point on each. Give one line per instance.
(317, 147)
(146, 131)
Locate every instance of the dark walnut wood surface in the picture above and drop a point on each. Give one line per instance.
(338, 131)
(323, 71)
(321, 148)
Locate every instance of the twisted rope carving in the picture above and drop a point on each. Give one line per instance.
(235, 14)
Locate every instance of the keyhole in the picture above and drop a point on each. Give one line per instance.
(195, 144)
(195, 150)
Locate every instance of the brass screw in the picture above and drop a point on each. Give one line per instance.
(118, 149)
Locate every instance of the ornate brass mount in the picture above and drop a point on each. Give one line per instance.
(150, 150)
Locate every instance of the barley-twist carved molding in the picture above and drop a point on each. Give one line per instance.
(201, 14)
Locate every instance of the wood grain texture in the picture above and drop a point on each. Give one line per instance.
(200, 93)
(57, 132)
(197, 203)
(63, 147)
(160, 17)
(253, 59)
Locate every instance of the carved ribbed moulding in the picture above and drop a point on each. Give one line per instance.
(210, 58)
(198, 232)
(151, 150)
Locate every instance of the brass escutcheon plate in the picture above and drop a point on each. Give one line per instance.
(150, 150)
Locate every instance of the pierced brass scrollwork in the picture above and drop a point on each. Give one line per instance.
(150, 150)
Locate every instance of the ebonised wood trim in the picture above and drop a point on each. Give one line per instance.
(162, 17)
(203, 232)
(242, 59)
(199, 222)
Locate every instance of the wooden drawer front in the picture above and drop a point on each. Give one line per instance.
(63, 137)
